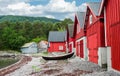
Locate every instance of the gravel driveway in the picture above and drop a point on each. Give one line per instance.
(70, 67)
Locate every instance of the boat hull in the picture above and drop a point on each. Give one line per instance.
(63, 57)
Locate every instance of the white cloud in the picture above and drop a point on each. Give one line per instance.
(82, 7)
(19, 6)
(70, 15)
(58, 9)
(61, 6)
(49, 16)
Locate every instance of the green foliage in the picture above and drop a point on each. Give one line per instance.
(11, 39)
(6, 62)
(37, 40)
(61, 26)
(36, 68)
(24, 18)
(14, 34)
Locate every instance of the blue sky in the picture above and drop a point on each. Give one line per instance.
(44, 2)
(58, 9)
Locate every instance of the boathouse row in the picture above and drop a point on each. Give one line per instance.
(94, 36)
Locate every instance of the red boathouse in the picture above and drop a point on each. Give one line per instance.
(57, 41)
(70, 39)
(95, 34)
(80, 35)
(111, 10)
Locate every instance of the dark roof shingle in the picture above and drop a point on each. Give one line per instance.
(71, 29)
(81, 18)
(57, 36)
(95, 6)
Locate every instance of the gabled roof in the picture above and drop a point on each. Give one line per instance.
(28, 44)
(71, 29)
(81, 18)
(94, 6)
(57, 36)
(101, 6)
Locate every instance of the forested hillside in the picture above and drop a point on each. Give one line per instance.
(13, 34)
(23, 18)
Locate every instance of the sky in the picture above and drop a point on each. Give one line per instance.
(57, 9)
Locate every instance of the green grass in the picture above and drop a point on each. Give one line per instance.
(6, 62)
(35, 68)
(10, 51)
(45, 53)
(40, 54)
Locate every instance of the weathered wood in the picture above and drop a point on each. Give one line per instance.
(62, 57)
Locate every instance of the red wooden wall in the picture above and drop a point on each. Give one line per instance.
(113, 30)
(93, 49)
(70, 45)
(54, 47)
(95, 39)
(80, 34)
(70, 48)
(80, 48)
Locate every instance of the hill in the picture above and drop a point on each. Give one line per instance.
(23, 18)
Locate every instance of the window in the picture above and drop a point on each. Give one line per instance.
(60, 47)
(90, 18)
(78, 28)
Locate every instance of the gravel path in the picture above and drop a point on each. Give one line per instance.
(70, 67)
(26, 69)
(104, 73)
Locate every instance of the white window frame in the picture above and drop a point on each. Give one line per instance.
(90, 18)
(60, 47)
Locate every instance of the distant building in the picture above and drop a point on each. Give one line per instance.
(57, 41)
(70, 37)
(42, 46)
(29, 48)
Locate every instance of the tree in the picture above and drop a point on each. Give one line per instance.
(14, 34)
(61, 26)
(11, 39)
(37, 29)
(27, 30)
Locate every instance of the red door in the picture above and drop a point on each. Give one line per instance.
(115, 46)
(77, 48)
(70, 48)
(81, 49)
(92, 47)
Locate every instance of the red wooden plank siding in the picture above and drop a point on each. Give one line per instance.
(81, 49)
(77, 48)
(115, 43)
(113, 29)
(80, 34)
(93, 56)
(54, 47)
(95, 39)
(70, 48)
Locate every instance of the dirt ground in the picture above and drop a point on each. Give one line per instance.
(70, 67)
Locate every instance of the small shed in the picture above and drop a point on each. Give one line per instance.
(29, 48)
(57, 41)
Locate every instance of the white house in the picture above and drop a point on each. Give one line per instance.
(29, 48)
